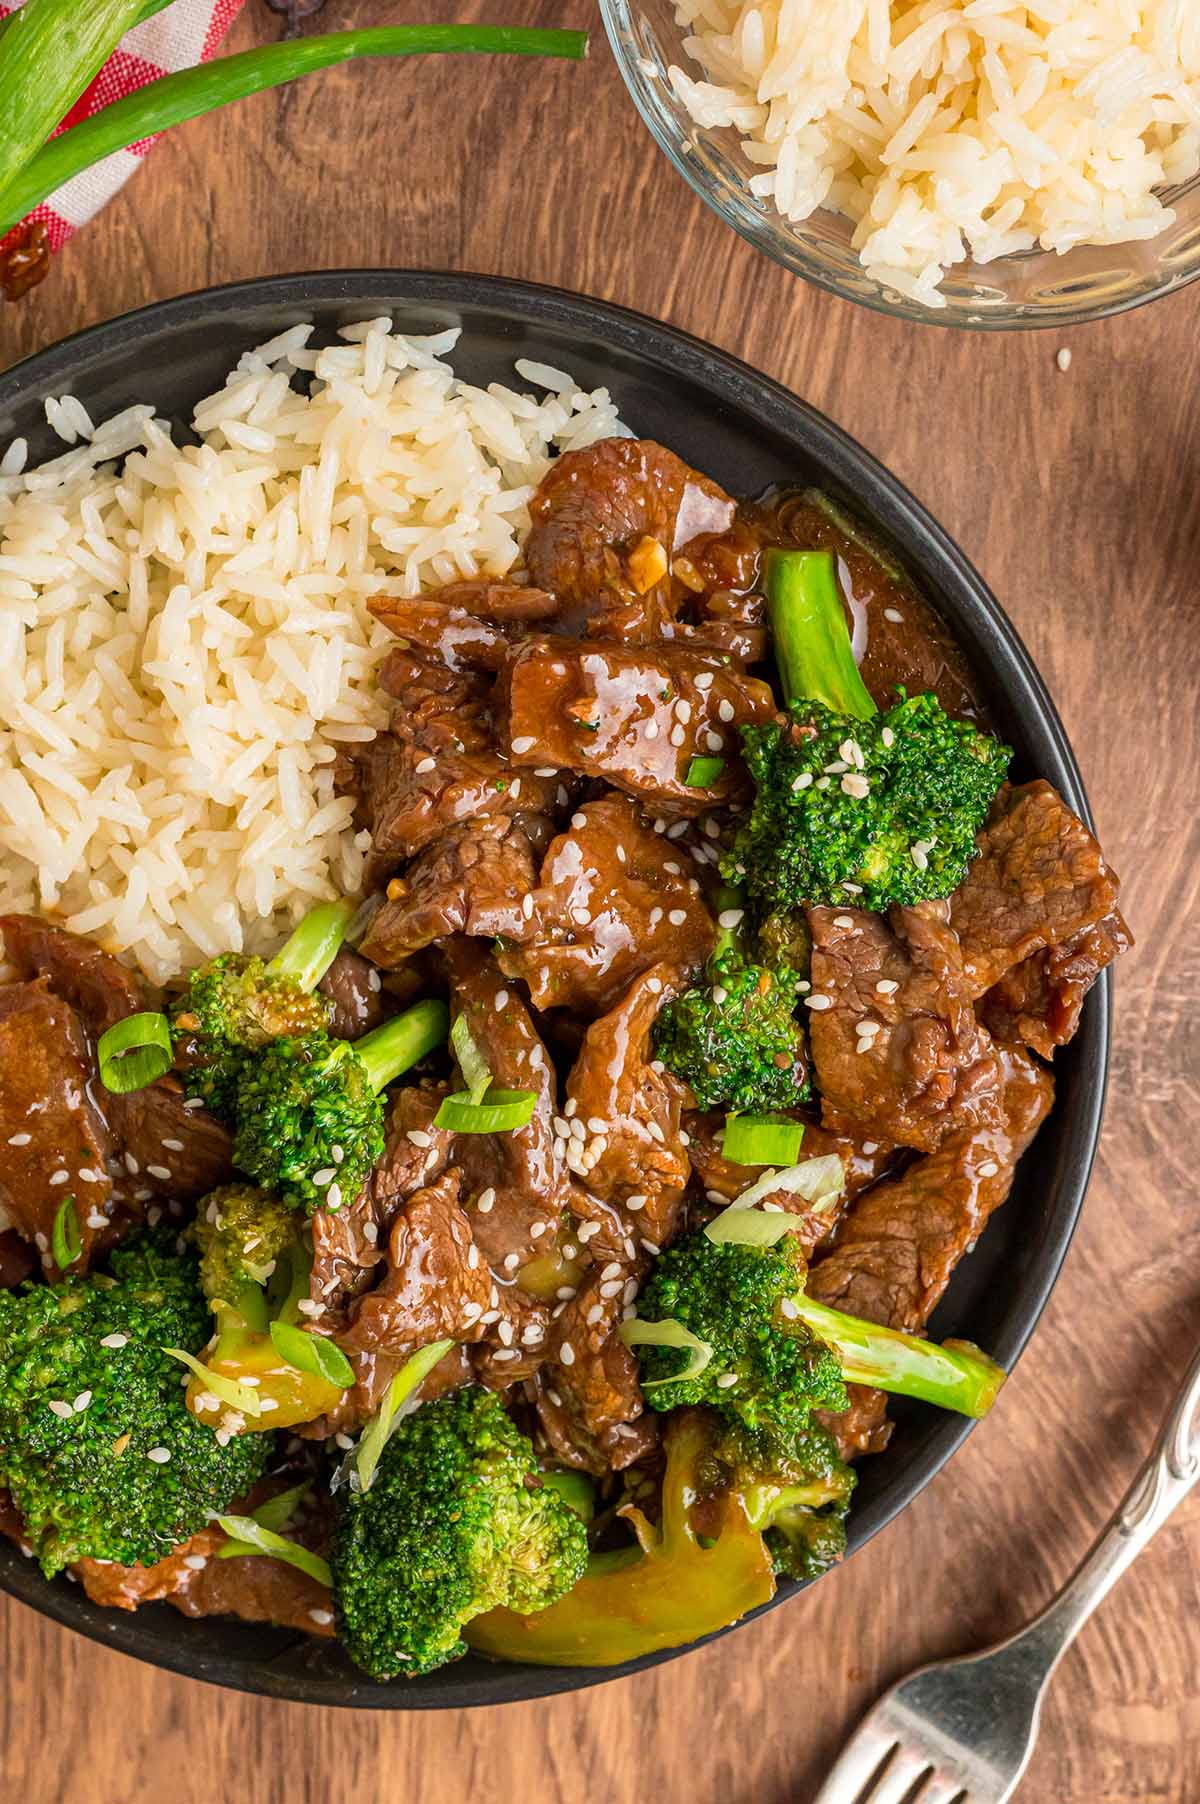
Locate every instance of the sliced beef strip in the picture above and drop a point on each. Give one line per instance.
(613, 899)
(436, 1286)
(895, 1042)
(894, 1251)
(359, 1000)
(523, 1170)
(633, 715)
(465, 625)
(196, 1582)
(631, 1153)
(1039, 880)
(597, 506)
(1039, 1001)
(864, 1160)
(438, 764)
(54, 1141)
(587, 1393)
(168, 1148)
(348, 1243)
(471, 880)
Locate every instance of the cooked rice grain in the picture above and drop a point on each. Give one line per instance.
(185, 645)
(954, 127)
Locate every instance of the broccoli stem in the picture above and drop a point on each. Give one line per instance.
(308, 953)
(396, 1045)
(955, 1375)
(809, 633)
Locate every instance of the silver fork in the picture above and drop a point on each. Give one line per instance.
(962, 1731)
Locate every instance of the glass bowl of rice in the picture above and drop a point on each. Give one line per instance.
(983, 163)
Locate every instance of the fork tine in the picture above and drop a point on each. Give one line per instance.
(857, 1766)
(905, 1771)
(938, 1790)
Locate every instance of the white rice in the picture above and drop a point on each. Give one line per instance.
(184, 639)
(944, 128)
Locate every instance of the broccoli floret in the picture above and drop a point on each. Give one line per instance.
(455, 1523)
(310, 1109)
(734, 1038)
(99, 1452)
(235, 1004)
(798, 1498)
(736, 1300)
(255, 1266)
(852, 805)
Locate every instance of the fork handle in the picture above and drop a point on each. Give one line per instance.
(1165, 1479)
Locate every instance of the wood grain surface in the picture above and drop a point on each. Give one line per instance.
(1076, 494)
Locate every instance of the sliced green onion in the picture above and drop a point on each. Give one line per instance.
(66, 1242)
(200, 89)
(133, 1052)
(702, 773)
(503, 1111)
(241, 1397)
(248, 1536)
(750, 1227)
(278, 1511)
(636, 1333)
(575, 1489)
(314, 1353)
(376, 1435)
(819, 1181)
(761, 1140)
(471, 1061)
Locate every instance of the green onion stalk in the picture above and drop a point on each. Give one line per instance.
(51, 50)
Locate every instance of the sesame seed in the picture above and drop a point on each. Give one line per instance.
(60, 1177)
(471, 1312)
(676, 870)
(96, 1220)
(194, 1102)
(678, 830)
(160, 1172)
(704, 680)
(824, 782)
(596, 1126)
(115, 1340)
(333, 1196)
(566, 1354)
(506, 1353)
(20, 1139)
(655, 1132)
(532, 1334)
(651, 729)
(131, 1165)
(511, 1261)
(569, 1107)
(819, 1002)
(855, 784)
(887, 986)
(683, 711)
(587, 1230)
(677, 917)
(527, 905)
(344, 1441)
(173, 1146)
(562, 795)
(595, 1314)
(917, 853)
(514, 788)
(803, 781)
(578, 1131)
(656, 915)
(419, 1137)
(160, 1455)
(789, 1309)
(677, 736)
(893, 614)
(307, 1307)
(505, 1331)
(93, 1177)
(473, 1257)
(81, 1402)
(426, 764)
(843, 920)
(324, 1617)
(485, 1201)
(324, 1176)
(725, 1380)
(59, 1407)
(196, 1562)
(612, 1289)
(223, 1437)
(852, 889)
(635, 1203)
(988, 1169)
(536, 1229)
(581, 916)
(726, 710)
(730, 918)
(714, 741)
(500, 1002)
(888, 737)
(524, 744)
(870, 1146)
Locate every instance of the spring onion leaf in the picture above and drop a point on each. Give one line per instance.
(636, 1333)
(314, 1353)
(133, 1052)
(761, 1140)
(501, 1113)
(242, 1397)
(66, 1242)
(278, 1511)
(750, 1227)
(819, 1181)
(702, 773)
(248, 1536)
(471, 1061)
(202, 88)
(378, 1432)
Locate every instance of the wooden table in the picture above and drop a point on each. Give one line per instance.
(1076, 494)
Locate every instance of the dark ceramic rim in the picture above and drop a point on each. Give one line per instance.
(997, 649)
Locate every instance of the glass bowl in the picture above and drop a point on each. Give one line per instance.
(1029, 289)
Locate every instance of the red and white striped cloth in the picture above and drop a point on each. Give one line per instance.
(187, 32)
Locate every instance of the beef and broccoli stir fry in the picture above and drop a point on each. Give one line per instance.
(523, 1256)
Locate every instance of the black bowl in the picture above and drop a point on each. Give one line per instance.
(748, 433)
